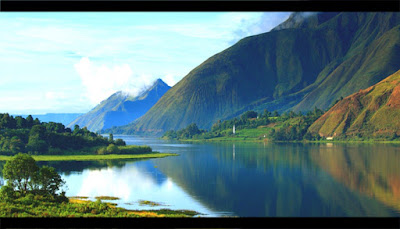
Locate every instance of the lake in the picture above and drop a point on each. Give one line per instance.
(249, 179)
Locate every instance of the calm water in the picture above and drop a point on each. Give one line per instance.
(249, 179)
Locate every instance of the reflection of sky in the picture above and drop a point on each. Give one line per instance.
(133, 182)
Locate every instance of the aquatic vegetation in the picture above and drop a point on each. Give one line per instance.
(150, 203)
(107, 198)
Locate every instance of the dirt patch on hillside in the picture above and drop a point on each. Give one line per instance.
(394, 99)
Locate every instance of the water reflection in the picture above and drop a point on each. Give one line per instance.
(369, 169)
(250, 179)
(289, 179)
(132, 182)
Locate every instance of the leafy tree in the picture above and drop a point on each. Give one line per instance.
(21, 171)
(7, 193)
(36, 121)
(29, 121)
(266, 113)
(49, 180)
(23, 175)
(120, 142)
(112, 149)
(20, 122)
(16, 145)
(76, 130)
(248, 114)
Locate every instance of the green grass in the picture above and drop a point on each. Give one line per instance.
(93, 157)
(37, 206)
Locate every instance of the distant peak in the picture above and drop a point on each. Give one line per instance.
(305, 20)
(160, 82)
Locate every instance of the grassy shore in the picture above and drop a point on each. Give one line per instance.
(38, 206)
(93, 157)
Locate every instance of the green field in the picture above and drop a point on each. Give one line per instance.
(93, 157)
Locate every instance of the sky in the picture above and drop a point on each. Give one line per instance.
(68, 62)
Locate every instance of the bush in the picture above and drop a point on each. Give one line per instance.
(120, 142)
(134, 149)
(112, 149)
(102, 151)
(7, 193)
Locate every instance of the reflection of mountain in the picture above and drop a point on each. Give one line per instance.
(374, 171)
(278, 180)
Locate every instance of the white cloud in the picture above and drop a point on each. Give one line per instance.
(247, 25)
(101, 81)
(170, 79)
(104, 48)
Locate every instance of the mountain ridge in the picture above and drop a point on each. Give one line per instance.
(285, 69)
(121, 108)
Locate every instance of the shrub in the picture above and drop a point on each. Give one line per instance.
(7, 193)
(102, 151)
(120, 142)
(112, 149)
(134, 149)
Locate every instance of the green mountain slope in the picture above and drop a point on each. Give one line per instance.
(373, 112)
(121, 108)
(307, 63)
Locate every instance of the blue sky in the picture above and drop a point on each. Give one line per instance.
(69, 62)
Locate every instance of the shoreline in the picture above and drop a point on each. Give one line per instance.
(269, 141)
(93, 157)
(164, 212)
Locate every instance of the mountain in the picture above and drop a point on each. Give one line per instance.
(297, 66)
(121, 108)
(372, 112)
(64, 118)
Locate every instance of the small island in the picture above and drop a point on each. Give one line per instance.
(54, 142)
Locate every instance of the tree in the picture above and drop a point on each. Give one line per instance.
(21, 171)
(266, 113)
(120, 142)
(20, 122)
(49, 180)
(76, 130)
(16, 145)
(249, 114)
(29, 121)
(23, 175)
(36, 142)
(111, 138)
(112, 149)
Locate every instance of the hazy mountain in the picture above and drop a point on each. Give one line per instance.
(121, 108)
(374, 111)
(309, 60)
(64, 118)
